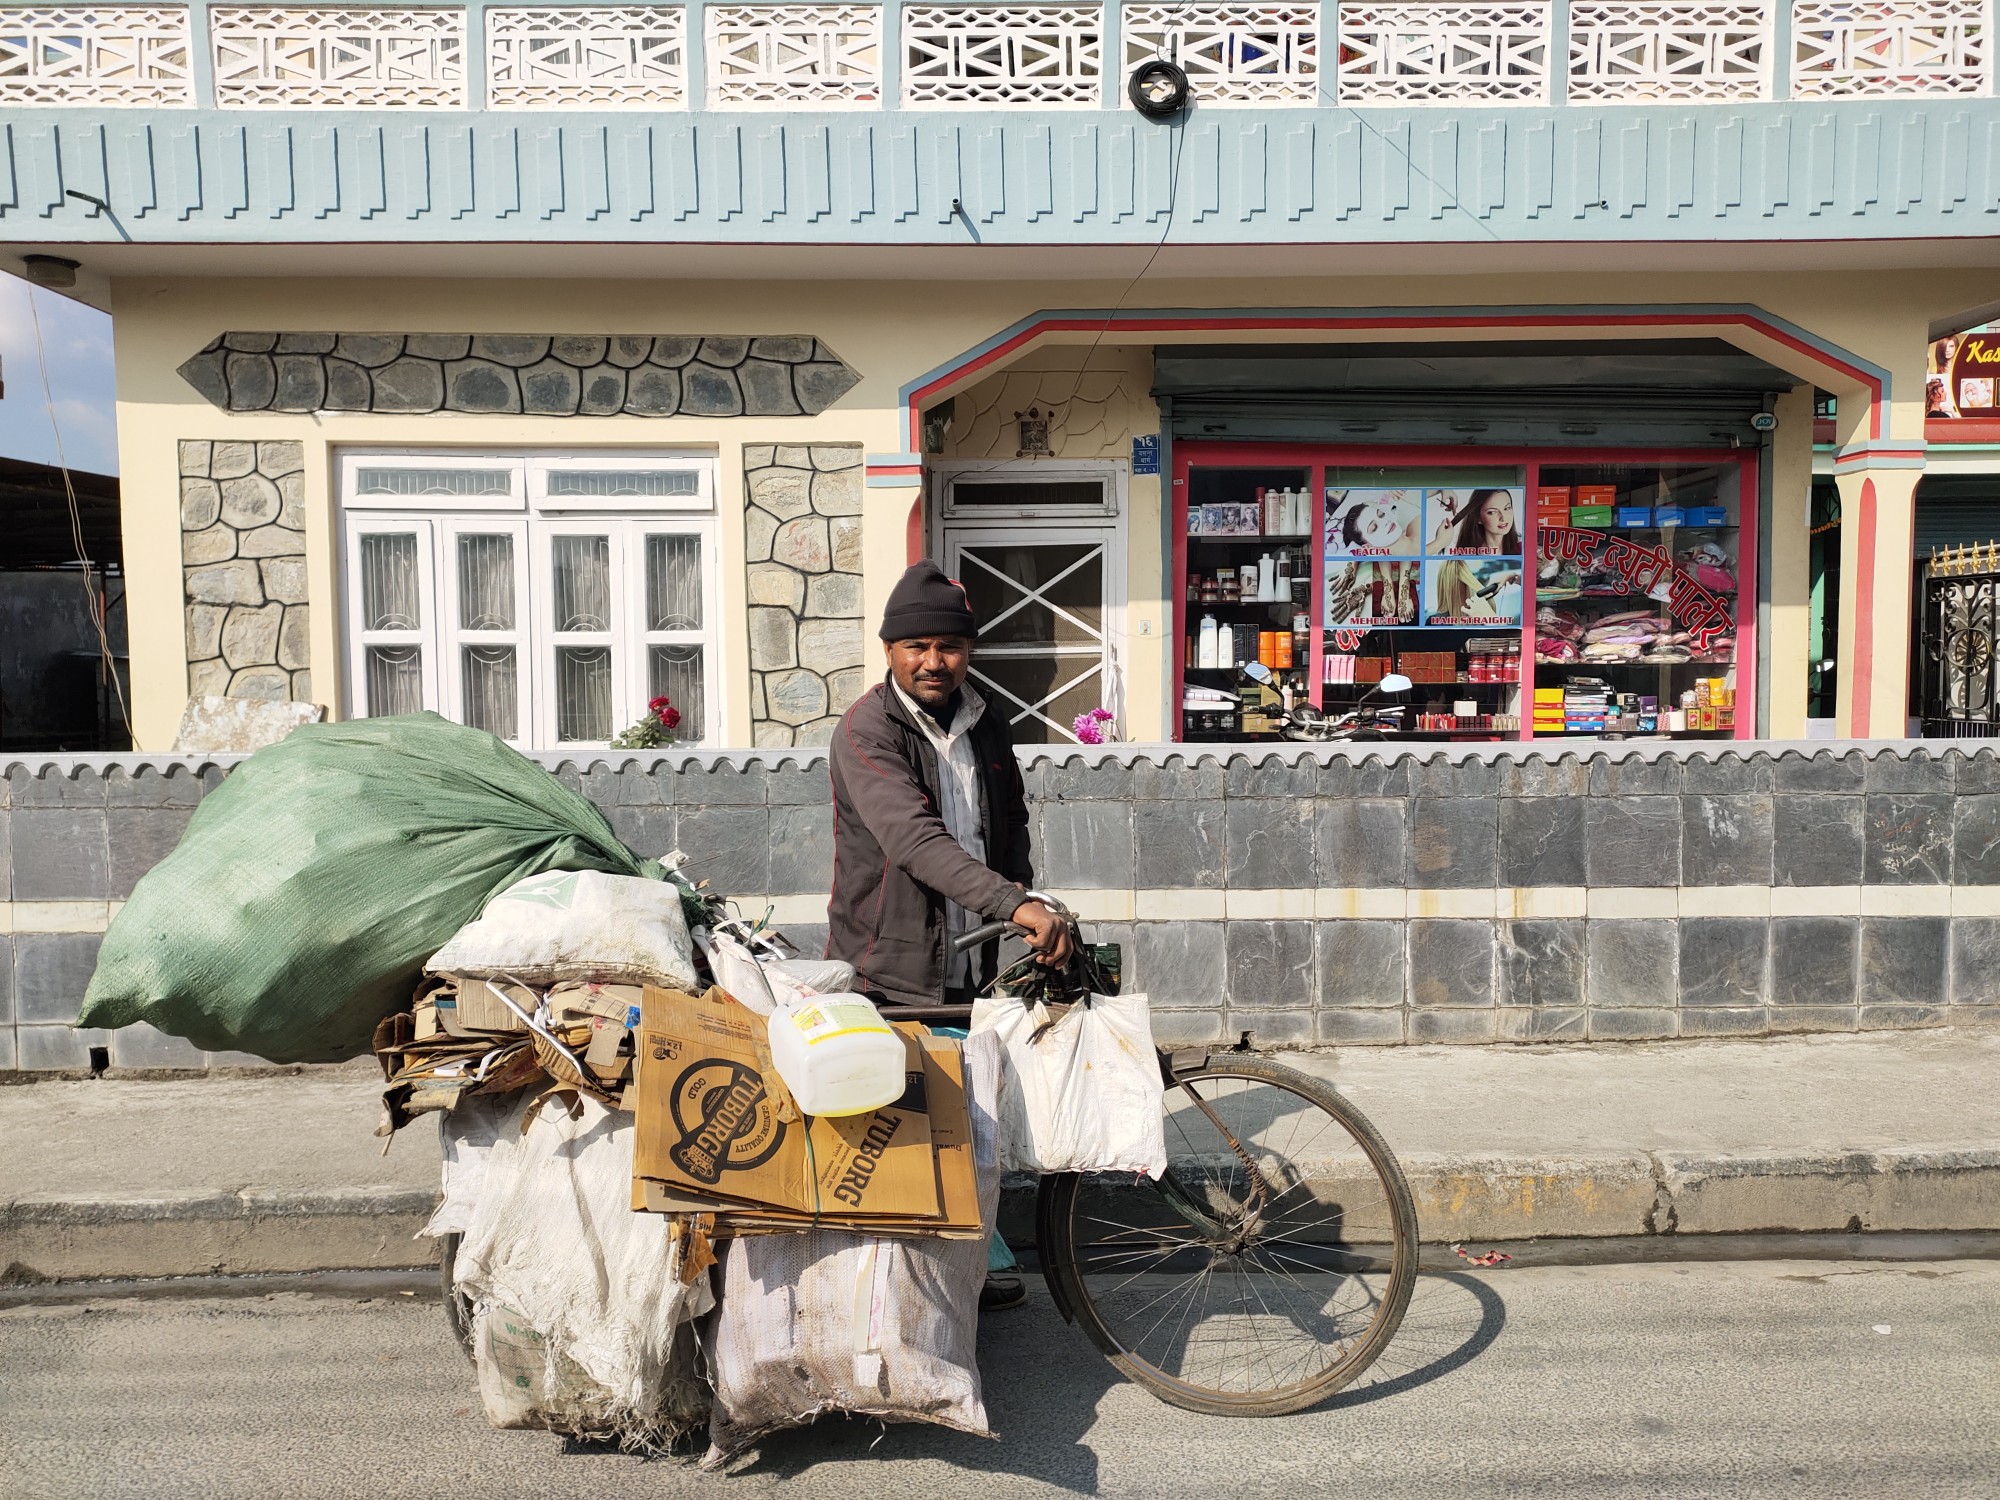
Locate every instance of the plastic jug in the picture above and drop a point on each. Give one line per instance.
(837, 1055)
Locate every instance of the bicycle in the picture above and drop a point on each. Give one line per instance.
(1256, 1276)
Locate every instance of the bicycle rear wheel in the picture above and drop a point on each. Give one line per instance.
(1269, 1265)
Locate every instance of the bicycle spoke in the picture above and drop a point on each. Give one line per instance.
(1306, 1261)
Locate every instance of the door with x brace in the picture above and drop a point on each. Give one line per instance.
(1045, 614)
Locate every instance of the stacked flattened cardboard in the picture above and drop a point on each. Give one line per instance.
(464, 1036)
(719, 1133)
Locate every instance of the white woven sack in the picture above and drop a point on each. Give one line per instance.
(1082, 1095)
(576, 924)
(467, 1134)
(830, 1321)
(578, 1297)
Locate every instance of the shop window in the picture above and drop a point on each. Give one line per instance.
(549, 616)
(1577, 595)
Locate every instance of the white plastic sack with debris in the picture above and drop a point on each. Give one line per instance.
(1080, 1091)
(832, 1321)
(576, 924)
(578, 1300)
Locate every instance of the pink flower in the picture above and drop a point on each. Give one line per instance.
(1085, 728)
(1102, 715)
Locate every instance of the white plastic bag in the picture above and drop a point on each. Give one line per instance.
(1081, 1095)
(802, 978)
(832, 1321)
(576, 924)
(738, 972)
(578, 1298)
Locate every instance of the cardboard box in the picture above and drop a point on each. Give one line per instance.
(1633, 515)
(1706, 515)
(1596, 494)
(474, 1005)
(1553, 497)
(717, 1124)
(1669, 515)
(1590, 515)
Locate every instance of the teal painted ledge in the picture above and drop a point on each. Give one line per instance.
(1861, 169)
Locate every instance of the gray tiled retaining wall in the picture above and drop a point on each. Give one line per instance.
(1301, 896)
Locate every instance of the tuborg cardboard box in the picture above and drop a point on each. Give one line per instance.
(715, 1121)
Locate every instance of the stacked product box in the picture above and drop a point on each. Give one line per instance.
(1586, 706)
(1548, 710)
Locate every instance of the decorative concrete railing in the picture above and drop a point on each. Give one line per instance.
(1046, 53)
(1475, 894)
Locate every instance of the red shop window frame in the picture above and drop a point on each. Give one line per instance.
(1319, 457)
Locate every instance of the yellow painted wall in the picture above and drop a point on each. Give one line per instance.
(160, 322)
(1098, 398)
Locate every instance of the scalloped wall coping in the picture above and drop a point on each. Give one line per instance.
(1133, 754)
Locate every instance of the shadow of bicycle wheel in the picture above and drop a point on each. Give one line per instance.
(1452, 1319)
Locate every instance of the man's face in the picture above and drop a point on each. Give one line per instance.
(931, 667)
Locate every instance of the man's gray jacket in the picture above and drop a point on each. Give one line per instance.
(895, 864)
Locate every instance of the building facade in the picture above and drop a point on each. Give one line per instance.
(528, 362)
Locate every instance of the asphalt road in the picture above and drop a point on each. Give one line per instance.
(1801, 1379)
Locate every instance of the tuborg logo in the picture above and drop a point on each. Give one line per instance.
(725, 1118)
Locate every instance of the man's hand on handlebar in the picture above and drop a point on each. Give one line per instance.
(1048, 934)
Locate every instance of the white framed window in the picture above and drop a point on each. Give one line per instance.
(548, 623)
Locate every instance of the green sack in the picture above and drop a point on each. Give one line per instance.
(310, 887)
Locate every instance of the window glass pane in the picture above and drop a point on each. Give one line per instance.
(676, 672)
(583, 692)
(1017, 492)
(486, 582)
(491, 699)
(395, 680)
(673, 583)
(433, 481)
(607, 483)
(582, 568)
(389, 596)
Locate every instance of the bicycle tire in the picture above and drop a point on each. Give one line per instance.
(1057, 1215)
(457, 1306)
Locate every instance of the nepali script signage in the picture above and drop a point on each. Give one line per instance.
(1647, 570)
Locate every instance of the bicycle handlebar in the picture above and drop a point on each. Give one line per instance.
(992, 930)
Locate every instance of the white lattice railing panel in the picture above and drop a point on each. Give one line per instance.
(1232, 54)
(1688, 51)
(768, 56)
(1420, 53)
(107, 54)
(986, 55)
(585, 56)
(1890, 47)
(272, 55)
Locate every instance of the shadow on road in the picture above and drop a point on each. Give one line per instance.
(1045, 1382)
(1452, 1319)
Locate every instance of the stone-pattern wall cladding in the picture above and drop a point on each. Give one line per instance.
(1303, 897)
(802, 538)
(534, 374)
(243, 567)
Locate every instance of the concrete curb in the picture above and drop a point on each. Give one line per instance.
(1487, 1199)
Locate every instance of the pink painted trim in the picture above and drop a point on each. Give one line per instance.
(1224, 322)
